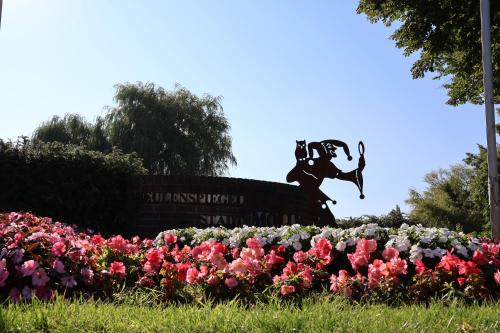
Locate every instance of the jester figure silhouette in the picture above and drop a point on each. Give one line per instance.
(310, 171)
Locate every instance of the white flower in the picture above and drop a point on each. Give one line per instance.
(462, 250)
(297, 246)
(415, 253)
(350, 241)
(438, 252)
(428, 253)
(340, 246)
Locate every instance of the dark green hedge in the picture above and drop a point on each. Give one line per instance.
(68, 183)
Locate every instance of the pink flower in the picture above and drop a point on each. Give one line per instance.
(272, 259)
(287, 290)
(479, 258)
(4, 273)
(58, 266)
(398, 266)
(192, 275)
(182, 269)
(98, 240)
(213, 280)
(390, 253)
(420, 266)
(68, 281)
(366, 245)
(461, 281)
(231, 282)
(154, 259)
(338, 282)
(217, 259)
(235, 253)
(322, 250)
(29, 267)
(118, 244)
(299, 256)
(145, 281)
(467, 268)
(87, 275)
(117, 268)
(39, 278)
(449, 262)
(497, 277)
(253, 243)
(238, 266)
(358, 259)
(58, 249)
(170, 238)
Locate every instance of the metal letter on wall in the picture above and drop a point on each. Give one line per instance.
(310, 171)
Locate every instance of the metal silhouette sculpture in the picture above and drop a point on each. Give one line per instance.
(310, 171)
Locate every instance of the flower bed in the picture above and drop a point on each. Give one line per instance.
(41, 257)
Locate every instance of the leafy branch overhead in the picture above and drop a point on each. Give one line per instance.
(447, 36)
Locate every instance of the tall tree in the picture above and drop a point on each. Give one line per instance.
(447, 200)
(71, 129)
(174, 132)
(447, 35)
(74, 129)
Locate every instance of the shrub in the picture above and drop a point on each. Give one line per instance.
(68, 182)
(39, 257)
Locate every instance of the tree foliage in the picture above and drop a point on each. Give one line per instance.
(447, 202)
(68, 182)
(447, 35)
(174, 132)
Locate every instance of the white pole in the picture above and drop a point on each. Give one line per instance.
(1, 3)
(490, 119)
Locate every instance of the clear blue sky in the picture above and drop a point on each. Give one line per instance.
(287, 70)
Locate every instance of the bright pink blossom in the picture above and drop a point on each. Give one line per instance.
(497, 277)
(390, 253)
(231, 282)
(299, 256)
(449, 262)
(467, 268)
(29, 267)
(117, 268)
(118, 244)
(170, 238)
(287, 290)
(58, 249)
(192, 275)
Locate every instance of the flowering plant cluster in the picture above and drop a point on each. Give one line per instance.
(40, 258)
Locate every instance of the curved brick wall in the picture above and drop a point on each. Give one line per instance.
(168, 202)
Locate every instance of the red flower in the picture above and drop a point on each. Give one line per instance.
(467, 268)
(58, 249)
(170, 238)
(287, 290)
(118, 268)
(479, 258)
(449, 262)
(420, 266)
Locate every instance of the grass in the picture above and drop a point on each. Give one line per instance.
(322, 313)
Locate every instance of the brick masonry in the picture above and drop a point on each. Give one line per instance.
(167, 202)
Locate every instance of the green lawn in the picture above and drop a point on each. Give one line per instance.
(320, 314)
